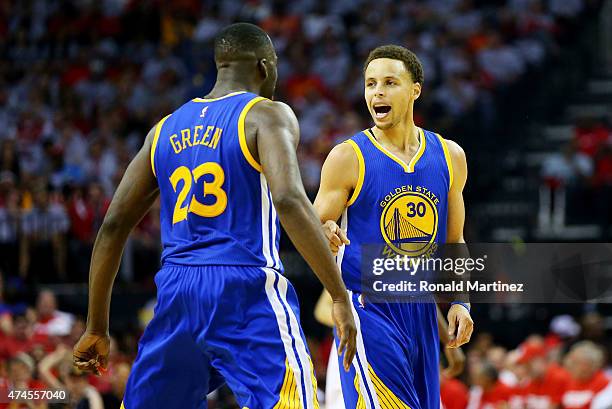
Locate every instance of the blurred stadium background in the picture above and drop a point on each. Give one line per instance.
(525, 86)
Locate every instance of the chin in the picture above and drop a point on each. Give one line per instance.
(383, 126)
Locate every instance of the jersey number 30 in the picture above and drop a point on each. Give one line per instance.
(181, 208)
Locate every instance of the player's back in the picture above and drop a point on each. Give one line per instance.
(216, 208)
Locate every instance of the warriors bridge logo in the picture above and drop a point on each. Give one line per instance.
(409, 220)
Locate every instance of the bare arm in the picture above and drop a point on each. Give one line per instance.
(456, 207)
(136, 193)
(454, 356)
(460, 324)
(134, 196)
(277, 139)
(338, 179)
(277, 136)
(46, 365)
(323, 310)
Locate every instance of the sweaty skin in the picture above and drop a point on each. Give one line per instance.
(272, 136)
(387, 82)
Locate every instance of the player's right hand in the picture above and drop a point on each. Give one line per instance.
(335, 235)
(346, 330)
(90, 354)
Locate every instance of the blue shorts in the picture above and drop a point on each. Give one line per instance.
(222, 324)
(396, 365)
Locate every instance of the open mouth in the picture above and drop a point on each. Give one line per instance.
(381, 111)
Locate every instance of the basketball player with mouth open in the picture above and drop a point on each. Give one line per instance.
(402, 186)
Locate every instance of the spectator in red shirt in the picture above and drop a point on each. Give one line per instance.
(51, 322)
(20, 377)
(21, 339)
(86, 212)
(453, 393)
(589, 387)
(488, 391)
(590, 134)
(547, 381)
(603, 166)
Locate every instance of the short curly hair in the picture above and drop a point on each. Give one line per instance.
(397, 52)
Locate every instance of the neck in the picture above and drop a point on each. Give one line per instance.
(403, 135)
(229, 81)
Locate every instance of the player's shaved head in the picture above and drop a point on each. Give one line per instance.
(245, 57)
(396, 52)
(242, 41)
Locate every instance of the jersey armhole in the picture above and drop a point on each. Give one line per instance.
(158, 129)
(449, 162)
(242, 134)
(361, 174)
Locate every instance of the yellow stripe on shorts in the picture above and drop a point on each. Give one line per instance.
(387, 399)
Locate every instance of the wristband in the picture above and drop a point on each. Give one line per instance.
(467, 307)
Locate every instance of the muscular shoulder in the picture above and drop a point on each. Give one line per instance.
(459, 162)
(343, 154)
(266, 113)
(341, 167)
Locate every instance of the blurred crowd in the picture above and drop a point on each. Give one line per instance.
(36, 354)
(566, 367)
(82, 82)
(580, 175)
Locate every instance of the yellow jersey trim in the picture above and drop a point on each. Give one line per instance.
(158, 129)
(419, 153)
(408, 167)
(361, 174)
(231, 94)
(242, 134)
(122, 407)
(449, 161)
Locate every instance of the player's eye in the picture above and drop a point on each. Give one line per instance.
(369, 84)
(389, 82)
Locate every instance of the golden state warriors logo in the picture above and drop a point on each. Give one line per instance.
(409, 220)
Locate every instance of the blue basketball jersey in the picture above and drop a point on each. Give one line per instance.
(397, 205)
(216, 208)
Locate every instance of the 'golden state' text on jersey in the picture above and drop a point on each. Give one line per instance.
(398, 204)
(216, 208)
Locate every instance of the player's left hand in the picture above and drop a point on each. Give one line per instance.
(90, 354)
(460, 326)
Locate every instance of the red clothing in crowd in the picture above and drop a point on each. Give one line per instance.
(580, 395)
(490, 399)
(11, 345)
(590, 139)
(454, 394)
(541, 393)
(603, 170)
(6, 386)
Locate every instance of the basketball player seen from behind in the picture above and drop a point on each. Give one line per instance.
(394, 173)
(223, 166)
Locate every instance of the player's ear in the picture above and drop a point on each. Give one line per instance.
(416, 90)
(262, 68)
